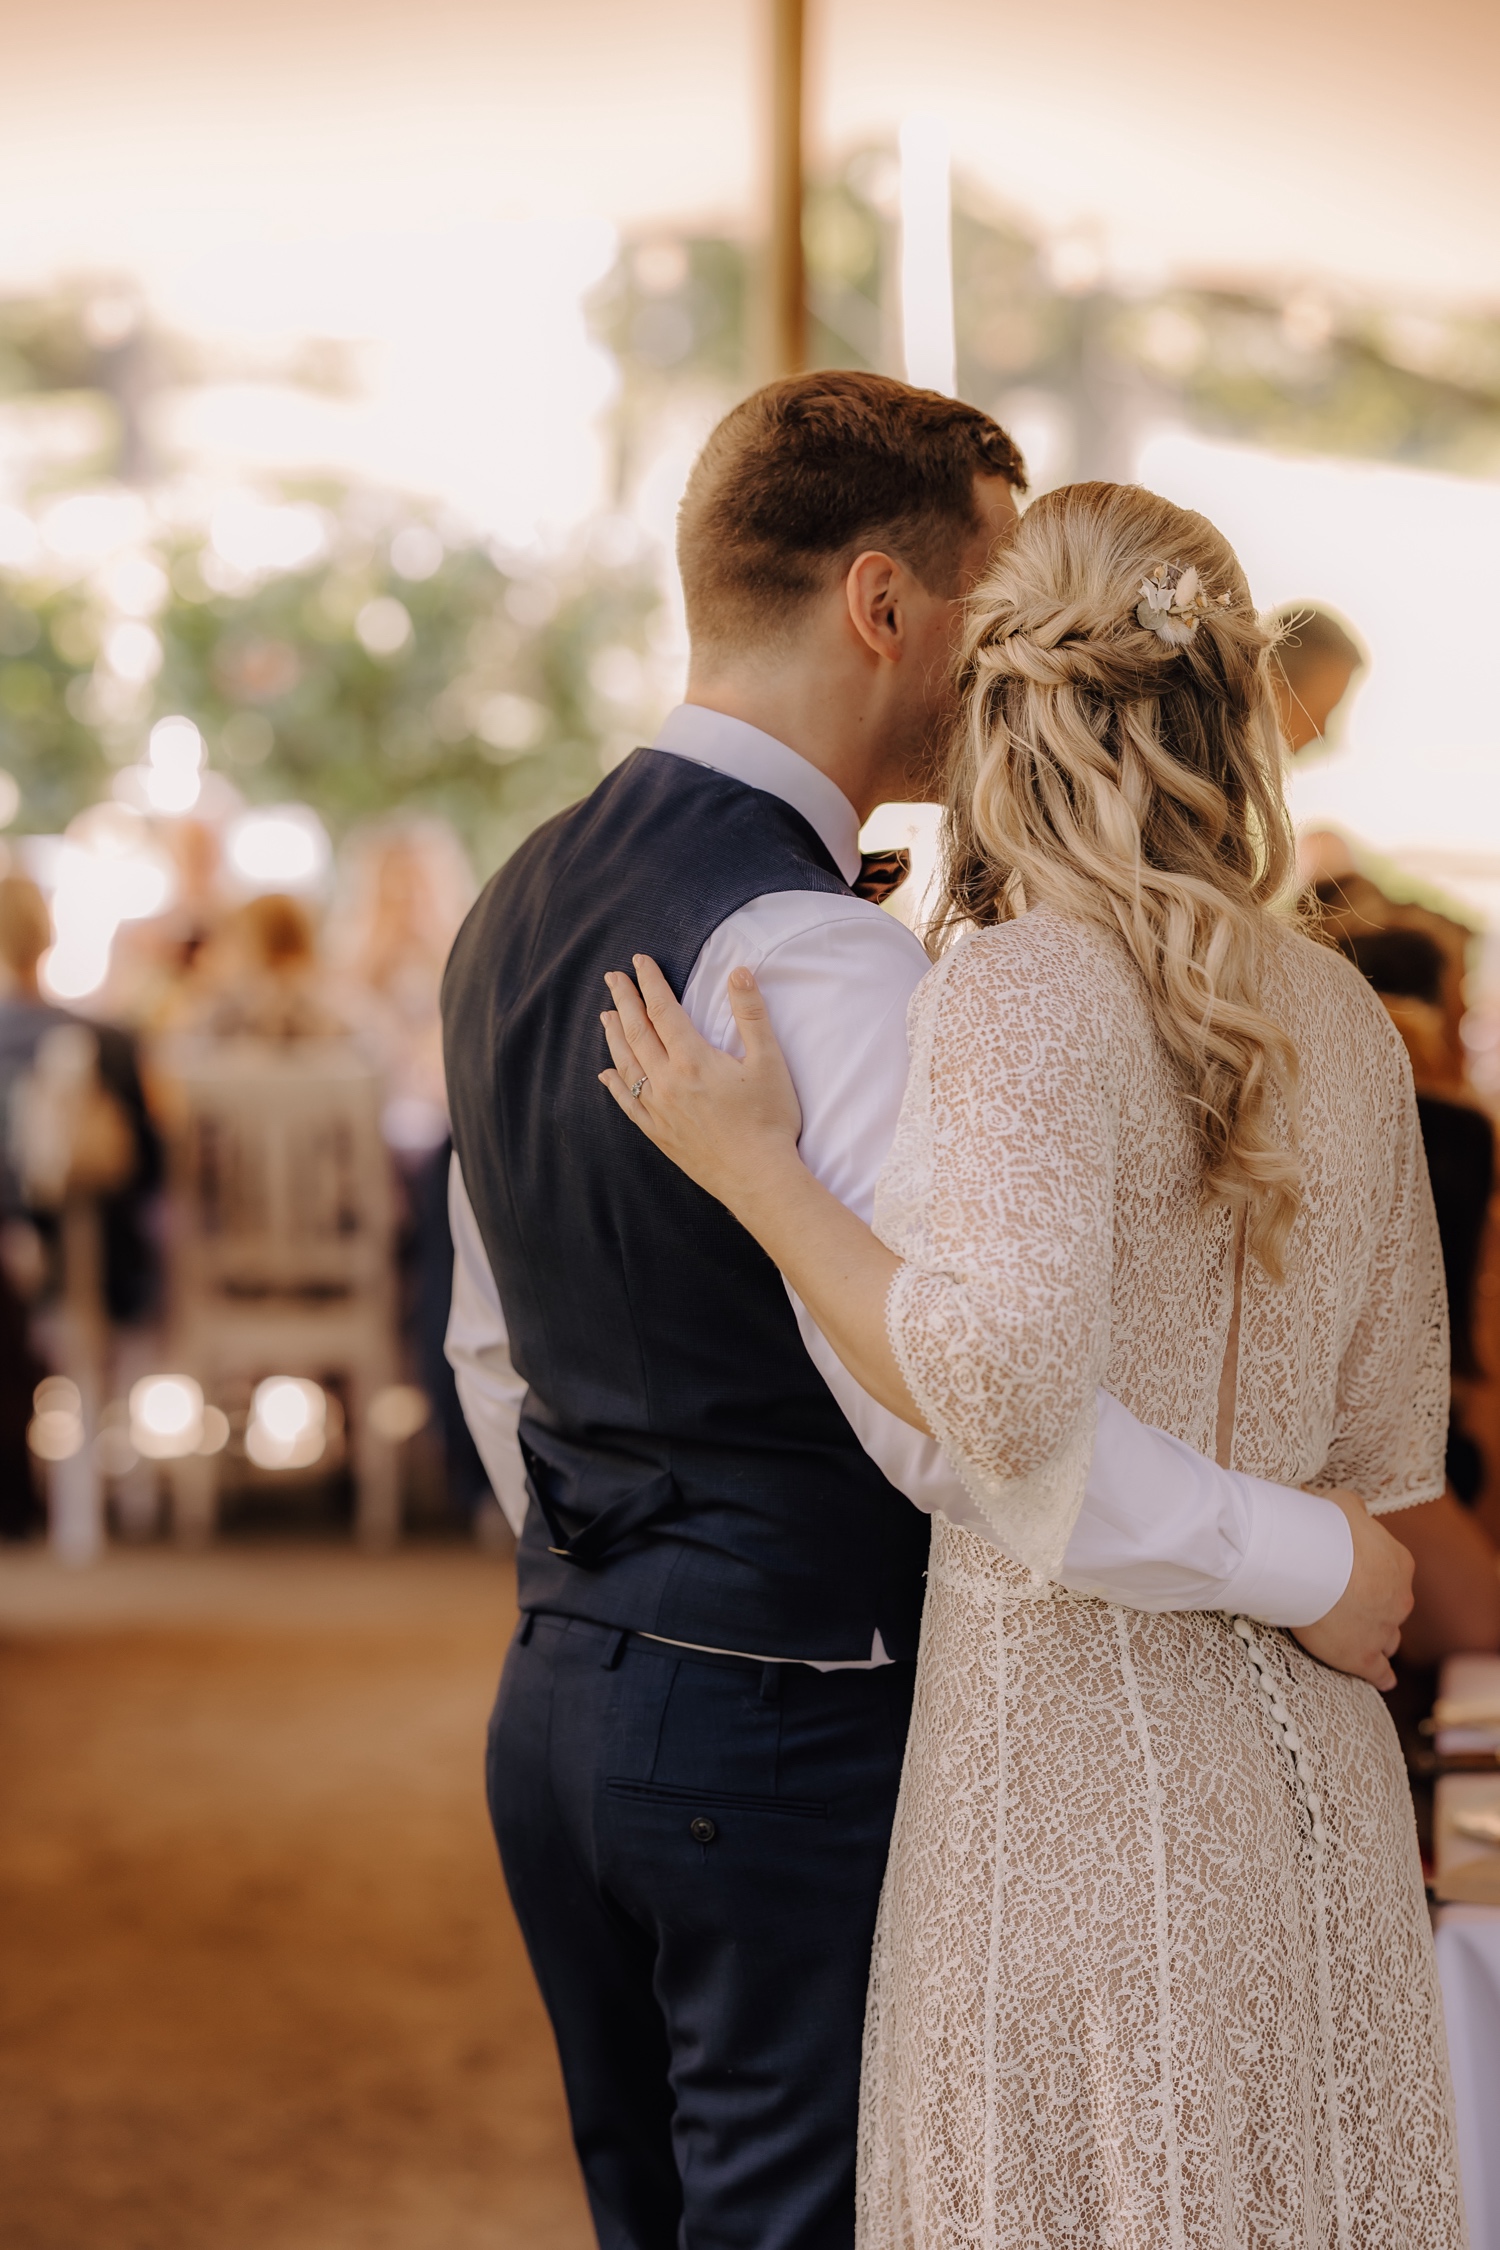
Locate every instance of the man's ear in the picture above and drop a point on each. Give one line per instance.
(874, 590)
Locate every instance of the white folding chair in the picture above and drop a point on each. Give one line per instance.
(282, 1253)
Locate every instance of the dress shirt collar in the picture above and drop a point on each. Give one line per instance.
(732, 747)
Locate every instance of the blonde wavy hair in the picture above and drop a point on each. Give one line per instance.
(1136, 785)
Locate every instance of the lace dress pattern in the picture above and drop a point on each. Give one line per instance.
(1153, 1969)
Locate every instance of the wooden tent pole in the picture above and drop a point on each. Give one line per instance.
(788, 278)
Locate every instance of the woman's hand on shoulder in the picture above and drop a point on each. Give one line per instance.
(732, 1126)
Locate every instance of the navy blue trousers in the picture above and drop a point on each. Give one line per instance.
(694, 1846)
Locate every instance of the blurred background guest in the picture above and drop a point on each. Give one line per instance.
(258, 977)
(1457, 1586)
(153, 958)
(1317, 663)
(20, 1372)
(405, 885)
(1351, 908)
(131, 1266)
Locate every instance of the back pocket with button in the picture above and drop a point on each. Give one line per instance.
(732, 1800)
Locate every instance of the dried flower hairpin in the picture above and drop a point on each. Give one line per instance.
(1172, 601)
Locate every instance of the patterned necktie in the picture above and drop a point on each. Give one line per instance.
(880, 873)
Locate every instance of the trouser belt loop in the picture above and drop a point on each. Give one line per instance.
(527, 1628)
(614, 1649)
(770, 1682)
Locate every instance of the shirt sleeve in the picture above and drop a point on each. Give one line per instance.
(478, 1350)
(1164, 1528)
(1160, 1527)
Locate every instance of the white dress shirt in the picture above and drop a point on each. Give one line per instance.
(1161, 1527)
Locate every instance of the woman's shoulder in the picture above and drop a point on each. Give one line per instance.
(1344, 1036)
(1042, 950)
(1045, 968)
(1324, 984)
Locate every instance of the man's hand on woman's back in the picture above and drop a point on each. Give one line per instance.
(1362, 1631)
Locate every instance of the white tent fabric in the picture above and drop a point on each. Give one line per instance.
(1348, 138)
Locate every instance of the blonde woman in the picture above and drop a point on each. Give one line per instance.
(1153, 1967)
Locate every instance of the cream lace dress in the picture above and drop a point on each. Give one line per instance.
(1153, 1969)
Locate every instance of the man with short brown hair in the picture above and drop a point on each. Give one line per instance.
(801, 475)
(696, 1748)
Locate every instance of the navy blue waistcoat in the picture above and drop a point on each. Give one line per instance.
(691, 1472)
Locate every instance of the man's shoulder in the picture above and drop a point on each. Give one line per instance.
(526, 874)
(833, 968)
(825, 936)
(788, 914)
(679, 812)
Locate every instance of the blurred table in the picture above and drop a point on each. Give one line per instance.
(1466, 1877)
(1468, 1957)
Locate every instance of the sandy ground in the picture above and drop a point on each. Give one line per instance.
(259, 1983)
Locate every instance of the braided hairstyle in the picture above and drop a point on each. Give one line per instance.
(1136, 785)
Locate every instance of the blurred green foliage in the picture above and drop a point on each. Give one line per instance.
(490, 689)
(1307, 368)
(1310, 375)
(494, 689)
(487, 695)
(486, 710)
(46, 741)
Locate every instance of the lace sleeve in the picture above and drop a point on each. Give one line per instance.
(999, 1196)
(1392, 1415)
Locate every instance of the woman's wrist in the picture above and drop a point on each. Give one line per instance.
(766, 1186)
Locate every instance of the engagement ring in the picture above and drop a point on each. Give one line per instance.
(635, 1091)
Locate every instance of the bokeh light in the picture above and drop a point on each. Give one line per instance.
(106, 871)
(216, 1430)
(416, 552)
(254, 536)
(166, 1416)
(398, 1411)
(173, 780)
(283, 848)
(288, 1423)
(55, 1435)
(57, 1394)
(384, 626)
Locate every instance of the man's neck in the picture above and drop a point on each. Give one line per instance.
(805, 719)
